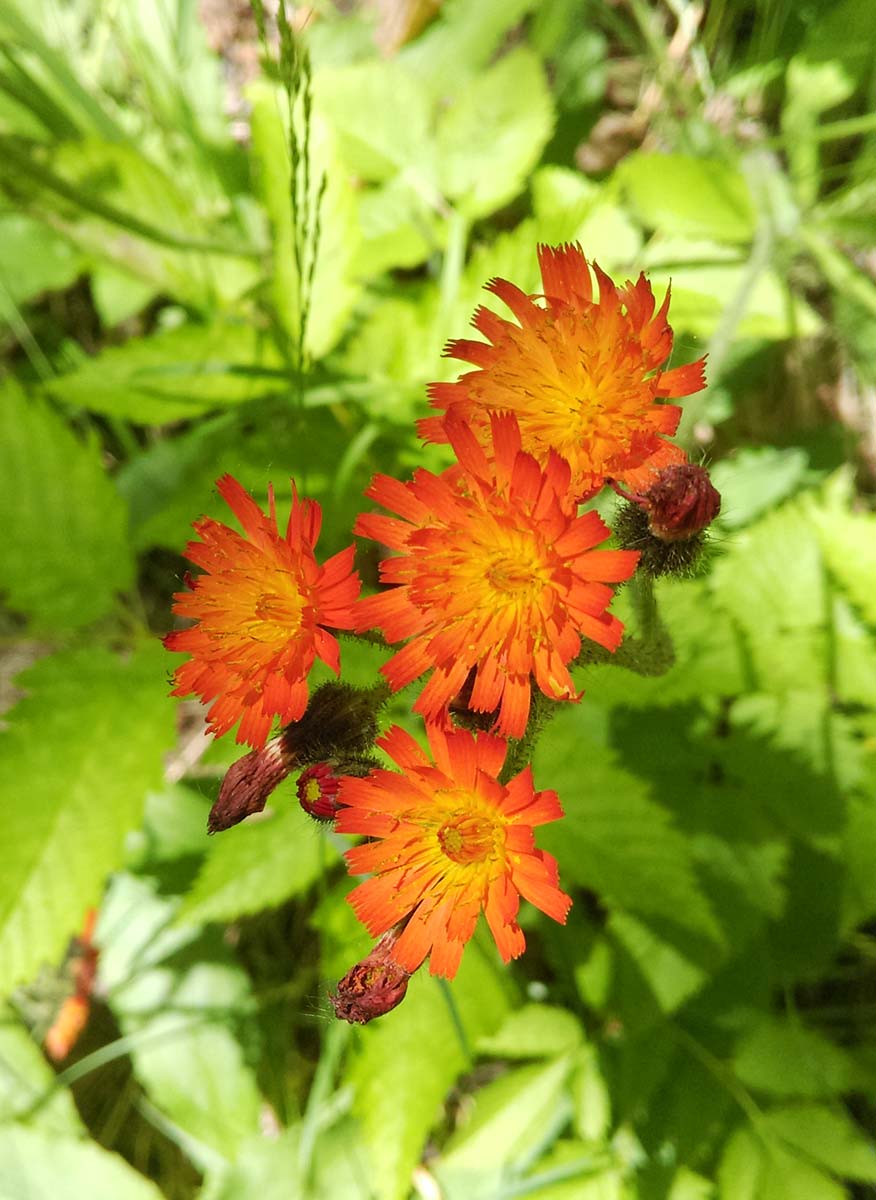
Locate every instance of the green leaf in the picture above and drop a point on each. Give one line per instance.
(177, 374)
(671, 976)
(34, 260)
(461, 42)
(381, 115)
(257, 865)
(187, 1009)
(509, 1120)
(66, 551)
(691, 197)
(752, 1170)
(848, 542)
(410, 1059)
(828, 1137)
(87, 744)
(493, 135)
(534, 1031)
(785, 1058)
(755, 479)
(27, 1083)
(613, 839)
(38, 1166)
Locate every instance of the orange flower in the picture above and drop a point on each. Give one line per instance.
(496, 573)
(582, 375)
(261, 608)
(449, 841)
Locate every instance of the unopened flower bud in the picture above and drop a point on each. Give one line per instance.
(318, 788)
(666, 523)
(340, 722)
(374, 986)
(248, 783)
(681, 502)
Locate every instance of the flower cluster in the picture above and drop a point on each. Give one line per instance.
(494, 583)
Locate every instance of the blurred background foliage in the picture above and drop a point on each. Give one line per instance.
(704, 1026)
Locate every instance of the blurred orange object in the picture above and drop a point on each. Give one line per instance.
(72, 1017)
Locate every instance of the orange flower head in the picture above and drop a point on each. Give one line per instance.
(496, 572)
(582, 373)
(448, 841)
(261, 609)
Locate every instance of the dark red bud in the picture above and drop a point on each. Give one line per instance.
(318, 788)
(248, 783)
(680, 503)
(374, 986)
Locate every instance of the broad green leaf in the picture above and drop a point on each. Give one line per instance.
(859, 855)
(34, 260)
(187, 1008)
(489, 140)
(691, 197)
(591, 1096)
(462, 42)
(27, 1083)
(613, 839)
(509, 1119)
(755, 479)
(409, 1060)
(571, 1170)
(785, 1058)
(257, 865)
(671, 977)
(88, 740)
(37, 1166)
(176, 374)
(828, 1137)
(534, 1031)
(848, 542)
(752, 1170)
(381, 116)
(399, 228)
(66, 551)
(334, 290)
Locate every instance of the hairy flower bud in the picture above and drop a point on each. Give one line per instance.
(374, 986)
(340, 722)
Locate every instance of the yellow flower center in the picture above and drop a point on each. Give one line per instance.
(468, 838)
(277, 613)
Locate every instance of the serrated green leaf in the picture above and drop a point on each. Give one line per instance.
(187, 1008)
(533, 1031)
(86, 743)
(37, 1166)
(27, 1083)
(409, 1060)
(785, 1058)
(257, 865)
(613, 838)
(691, 197)
(752, 1170)
(489, 140)
(848, 542)
(177, 374)
(828, 1137)
(66, 551)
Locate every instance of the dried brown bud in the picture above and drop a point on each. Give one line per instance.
(318, 788)
(248, 783)
(681, 502)
(374, 986)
